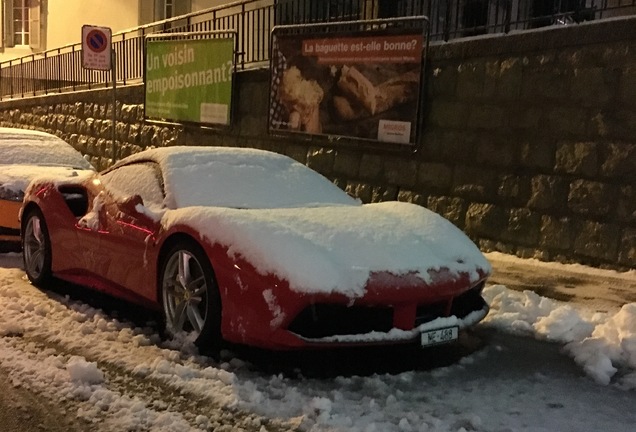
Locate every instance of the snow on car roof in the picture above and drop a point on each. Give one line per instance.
(239, 178)
(30, 147)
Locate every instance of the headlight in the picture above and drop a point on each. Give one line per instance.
(10, 194)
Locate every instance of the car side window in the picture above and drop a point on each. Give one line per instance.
(143, 179)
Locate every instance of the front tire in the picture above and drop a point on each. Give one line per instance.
(36, 248)
(189, 295)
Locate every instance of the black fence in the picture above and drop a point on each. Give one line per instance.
(60, 69)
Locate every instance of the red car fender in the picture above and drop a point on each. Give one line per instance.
(242, 289)
(60, 223)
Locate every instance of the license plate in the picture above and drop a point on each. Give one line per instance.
(439, 336)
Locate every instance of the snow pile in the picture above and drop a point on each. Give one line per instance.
(611, 343)
(81, 370)
(601, 344)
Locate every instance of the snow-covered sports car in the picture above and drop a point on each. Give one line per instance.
(25, 154)
(252, 247)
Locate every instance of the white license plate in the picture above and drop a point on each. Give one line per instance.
(439, 336)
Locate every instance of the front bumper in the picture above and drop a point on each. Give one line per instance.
(465, 314)
(395, 309)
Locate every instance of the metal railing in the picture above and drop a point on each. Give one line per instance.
(464, 18)
(60, 69)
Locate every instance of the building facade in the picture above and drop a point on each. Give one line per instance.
(34, 26)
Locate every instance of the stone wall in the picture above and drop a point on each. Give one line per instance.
(529, 141)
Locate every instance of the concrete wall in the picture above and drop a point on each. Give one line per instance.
(529, 143)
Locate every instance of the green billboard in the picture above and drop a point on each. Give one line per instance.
(189, 80)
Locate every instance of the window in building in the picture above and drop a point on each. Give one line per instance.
(169, 9)
(22, 24)
(165, 9)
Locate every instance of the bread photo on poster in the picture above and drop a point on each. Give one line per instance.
(347, 86)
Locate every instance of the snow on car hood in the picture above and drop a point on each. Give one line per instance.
(335, 249)
(16, 178)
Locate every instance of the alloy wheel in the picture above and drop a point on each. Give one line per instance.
(185, 293)
(35, 248)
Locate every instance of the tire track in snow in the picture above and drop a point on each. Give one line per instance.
(147, 382)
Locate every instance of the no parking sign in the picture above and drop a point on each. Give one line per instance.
(96, 47)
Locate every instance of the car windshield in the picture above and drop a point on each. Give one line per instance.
(44, 150)
(246, 178)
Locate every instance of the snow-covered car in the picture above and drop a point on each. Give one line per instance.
(25, 154)
(252, 247)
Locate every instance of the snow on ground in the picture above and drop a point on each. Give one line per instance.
(123, 377)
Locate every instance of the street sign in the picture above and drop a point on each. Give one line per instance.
(97, 53)
(96, 47)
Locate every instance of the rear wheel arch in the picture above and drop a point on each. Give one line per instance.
(31, 206)
(36, 245)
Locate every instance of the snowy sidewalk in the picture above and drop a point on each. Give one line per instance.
(592, 312)
(596, 289)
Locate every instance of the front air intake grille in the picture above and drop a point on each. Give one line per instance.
(468, 302)
(9, 231)
(324, 320)
(462, 305)
(430, 312)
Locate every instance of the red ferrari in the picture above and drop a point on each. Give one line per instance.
(252, 247)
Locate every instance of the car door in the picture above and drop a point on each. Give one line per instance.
(127, 228)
